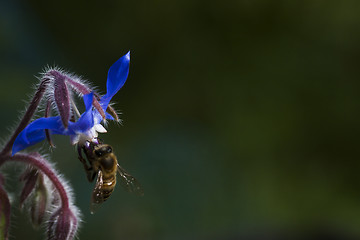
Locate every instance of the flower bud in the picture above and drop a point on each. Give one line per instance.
(38, 200)
(62, 225)
(39, 203)
(29, 177)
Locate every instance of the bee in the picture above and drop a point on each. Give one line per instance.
(101, 161)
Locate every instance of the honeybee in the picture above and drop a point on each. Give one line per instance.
(103, 163)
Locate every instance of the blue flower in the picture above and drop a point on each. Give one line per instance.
(89, 123)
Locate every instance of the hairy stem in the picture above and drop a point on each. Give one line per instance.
(27, 116)
(41, 164)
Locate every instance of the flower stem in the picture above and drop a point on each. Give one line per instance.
(27, 116)
(41, 164)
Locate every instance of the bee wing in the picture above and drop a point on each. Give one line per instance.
(97, 196)
(128, 182)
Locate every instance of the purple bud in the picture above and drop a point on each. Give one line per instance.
(62, 225)
(61, 95)
(4, 211)
(39, 203)
(34, 183)
(30, 177)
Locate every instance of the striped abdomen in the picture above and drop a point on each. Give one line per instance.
(108, 186)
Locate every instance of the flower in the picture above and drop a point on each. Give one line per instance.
(89, 123)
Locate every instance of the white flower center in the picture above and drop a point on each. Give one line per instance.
(89, 135)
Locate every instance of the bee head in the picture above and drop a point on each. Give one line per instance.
(107, 160)
(103, 150)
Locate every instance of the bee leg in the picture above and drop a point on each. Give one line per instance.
(90, 174)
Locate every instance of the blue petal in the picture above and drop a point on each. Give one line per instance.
(86, 121)
(117, 76)
(98, 118)
(20, 143)
(88, 99)
(108, 116)
(35, 133)
(51, 123)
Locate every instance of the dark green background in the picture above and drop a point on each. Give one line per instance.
(241, 118)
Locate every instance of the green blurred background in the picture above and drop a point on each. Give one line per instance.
(241, 118)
